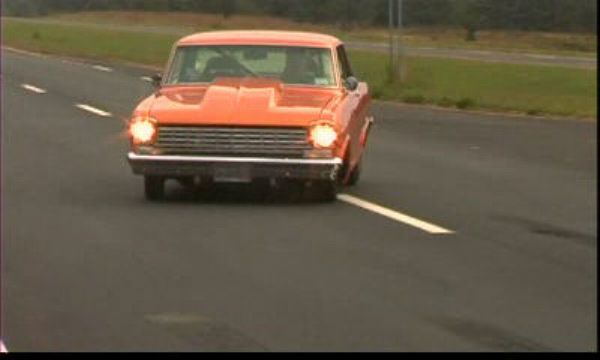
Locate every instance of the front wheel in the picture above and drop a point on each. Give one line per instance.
(154, 187)
(354, 177)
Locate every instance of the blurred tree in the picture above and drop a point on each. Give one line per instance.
(469, 14)
(473, 15)
(228, 7)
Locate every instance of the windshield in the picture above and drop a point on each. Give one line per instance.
(292, 65)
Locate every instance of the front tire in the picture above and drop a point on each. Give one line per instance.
(354, 177)
(187, 182)
(154, 187)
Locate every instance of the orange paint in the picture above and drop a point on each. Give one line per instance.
(265, 102)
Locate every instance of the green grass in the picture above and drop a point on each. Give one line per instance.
(573, 44)
(534, 90)
(149, 49)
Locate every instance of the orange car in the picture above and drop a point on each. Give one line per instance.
(240, 106)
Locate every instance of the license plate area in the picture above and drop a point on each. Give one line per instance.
(232, 174)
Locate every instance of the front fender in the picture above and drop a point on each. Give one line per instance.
(344, 148)
(366, 131)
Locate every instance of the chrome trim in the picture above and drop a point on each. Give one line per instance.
(208, 159)
(227, 141)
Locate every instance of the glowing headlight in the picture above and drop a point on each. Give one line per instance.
(142, 130)
(323, 136)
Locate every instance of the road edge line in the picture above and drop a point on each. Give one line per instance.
(395, 215)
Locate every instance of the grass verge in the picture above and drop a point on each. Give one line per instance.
(499, 40)
(530, 89)
(534, 90)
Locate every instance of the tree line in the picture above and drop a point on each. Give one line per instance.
(545, 15)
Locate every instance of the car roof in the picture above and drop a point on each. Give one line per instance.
(254, 37)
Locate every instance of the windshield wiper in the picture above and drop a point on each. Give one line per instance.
(241, 66)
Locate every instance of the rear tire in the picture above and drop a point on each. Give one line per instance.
(154, 187)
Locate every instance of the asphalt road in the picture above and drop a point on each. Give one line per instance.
(88, 264)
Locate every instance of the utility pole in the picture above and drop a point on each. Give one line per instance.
(392, 60)
(401, 49)
(397, 52)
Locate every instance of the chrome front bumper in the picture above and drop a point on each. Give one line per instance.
(244, 169)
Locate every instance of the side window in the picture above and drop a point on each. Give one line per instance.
(344, 63)
(202, 56)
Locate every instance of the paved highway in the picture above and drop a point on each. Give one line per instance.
(88, 264)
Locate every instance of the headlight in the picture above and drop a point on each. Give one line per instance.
(142, 130)
(323, 136)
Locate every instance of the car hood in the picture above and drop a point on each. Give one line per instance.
(246, 102)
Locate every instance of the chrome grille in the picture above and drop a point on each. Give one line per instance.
(233, 141)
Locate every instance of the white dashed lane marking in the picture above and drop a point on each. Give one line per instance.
(93, 110)
(34, 89)
(146, 78)
(102, 68)
(394, 215)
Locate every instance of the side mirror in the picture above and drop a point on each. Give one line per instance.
(351, 83)
(157, 80)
